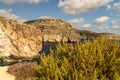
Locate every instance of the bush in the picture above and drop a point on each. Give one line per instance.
(96, 60)
(23, 71)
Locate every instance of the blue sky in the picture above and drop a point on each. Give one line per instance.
(93, 15)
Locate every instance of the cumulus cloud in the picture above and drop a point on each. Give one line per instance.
(109, 7)
(30, 1)
(113, 27)
(105, 29)
(21, 1)
(86, 26)
(41, 17)
(8, 14)
(108, 29)
(79, 6)
(8, 1)
(115, 7)
(101, 20)
(76, 20)
(115, 24)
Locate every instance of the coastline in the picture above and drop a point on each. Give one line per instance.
(4, 75)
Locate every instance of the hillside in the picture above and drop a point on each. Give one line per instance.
(18, 41)
(57, 30)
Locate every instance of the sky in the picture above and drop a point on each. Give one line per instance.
(92, 15)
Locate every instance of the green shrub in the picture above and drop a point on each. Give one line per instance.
(96, 60)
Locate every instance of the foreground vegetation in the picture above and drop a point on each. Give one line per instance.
(22, 71)
(97, 60)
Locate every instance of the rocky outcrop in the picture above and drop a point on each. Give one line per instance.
(88, 35)
(55, 30)
(18, 41)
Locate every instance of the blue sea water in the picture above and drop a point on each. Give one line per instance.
(46, 46)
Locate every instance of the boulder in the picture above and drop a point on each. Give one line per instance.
(18, 41)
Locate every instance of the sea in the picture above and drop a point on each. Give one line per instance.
(46, 46)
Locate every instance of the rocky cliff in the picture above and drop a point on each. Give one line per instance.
(18, 41)
(55, 30)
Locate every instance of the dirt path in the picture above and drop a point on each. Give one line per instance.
(4, 75)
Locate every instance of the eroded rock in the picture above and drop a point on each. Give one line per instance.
(18, 41)
(55, 30)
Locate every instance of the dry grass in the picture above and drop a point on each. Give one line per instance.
(22, 71)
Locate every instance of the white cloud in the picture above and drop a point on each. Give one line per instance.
(79, 6)
(114, 27)
(44, 17)
(109, 29)
(109, 7)
(115, 24)
(115, 8)
(86, 26)
(8, 14)
(22, 1)
(105, 29)
(76, 20)
(116, 5)
(30, 1)
(101, 20)
(8, 1)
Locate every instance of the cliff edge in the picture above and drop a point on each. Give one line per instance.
(18, 41)
(55, 30)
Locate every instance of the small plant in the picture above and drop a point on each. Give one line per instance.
(96, 60)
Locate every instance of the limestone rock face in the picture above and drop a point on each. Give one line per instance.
(18, 40)
(55, 30)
